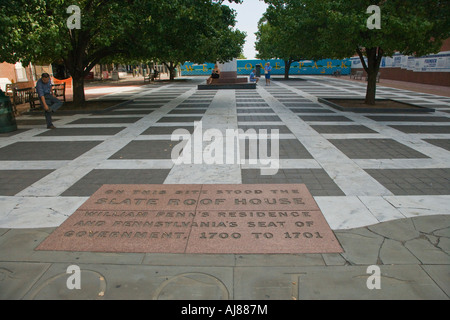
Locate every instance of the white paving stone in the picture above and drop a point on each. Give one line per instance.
(367, 202)
(37, 212)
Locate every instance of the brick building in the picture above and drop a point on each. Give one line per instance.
(433, 69)
(23, 77)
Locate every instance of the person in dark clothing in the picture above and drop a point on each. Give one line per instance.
(214, 75)
(49, 102)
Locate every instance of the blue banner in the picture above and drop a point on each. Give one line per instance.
(305, 67)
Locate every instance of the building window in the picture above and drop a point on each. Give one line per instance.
(21, 73)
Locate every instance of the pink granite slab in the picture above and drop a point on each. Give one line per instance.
(122, 231)
(144, 197)
(261, 232)
(256, 196)
(196, 219)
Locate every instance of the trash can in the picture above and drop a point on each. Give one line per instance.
(258, 70)
(7, 118)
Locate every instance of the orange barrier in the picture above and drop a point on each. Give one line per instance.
(67, 81)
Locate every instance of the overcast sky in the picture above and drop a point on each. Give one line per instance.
(248, 15)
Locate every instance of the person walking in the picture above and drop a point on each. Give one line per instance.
(49, 102)
(267, 71)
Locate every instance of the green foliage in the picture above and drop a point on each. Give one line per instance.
(191, 30)
(117, 31)
(338, 29)
(281, 34)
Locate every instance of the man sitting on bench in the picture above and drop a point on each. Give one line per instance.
(49, 102)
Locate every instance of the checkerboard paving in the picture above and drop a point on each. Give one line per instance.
(353, 164)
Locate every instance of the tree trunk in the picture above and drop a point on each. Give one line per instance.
(374, 56)
(371, 90)
(78, 90)
(171, 66)
(287, 67)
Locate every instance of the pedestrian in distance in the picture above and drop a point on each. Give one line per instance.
(253, 77)
(267, 71)
(215, 74)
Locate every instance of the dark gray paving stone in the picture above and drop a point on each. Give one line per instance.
(442, 143)
(91, 182)
(311, 110)
(161, 101)
(422, 129)
(33, 122)
(12, 133)
(190, 111)
(81, 132)
(317, 181)
(342, 129)
(147, 149)
(193, 105)
(288, 149)
(252, 105)
(198, 101)
(129, 112)
(249, 100)
(258, 118)
(281, 129)
(179, 119)
(106, 120)
(375, 149)
(48, 150)
(435, 106)
(142, 105)
(14, 181)
(247, 95)
(306, 104)
(413, 181)
(166, 130)
(255, 110)
(405, 118)
(326, 118)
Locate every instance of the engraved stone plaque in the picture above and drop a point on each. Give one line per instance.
(278, 218)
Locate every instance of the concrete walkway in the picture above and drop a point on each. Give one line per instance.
(382, 181)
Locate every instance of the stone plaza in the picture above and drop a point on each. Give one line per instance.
(380, 180)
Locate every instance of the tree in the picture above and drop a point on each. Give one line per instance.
(43, 36)
(194, 31)
(340, 29)
(111, 30)
(274, 43)
(284, 35)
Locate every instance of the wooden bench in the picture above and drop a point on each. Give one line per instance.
(357, 75)
(151, 77)
(20, 96)
(59, 90)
